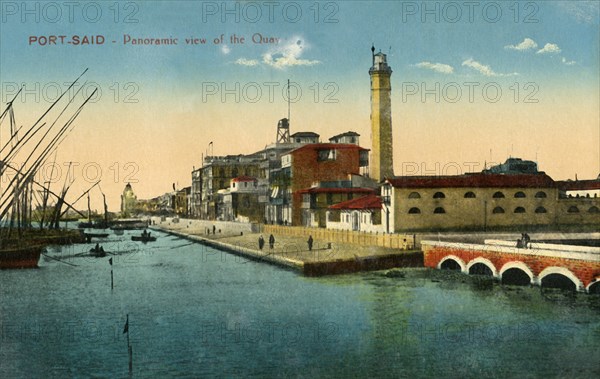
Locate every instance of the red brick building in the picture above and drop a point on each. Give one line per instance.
(327, 165)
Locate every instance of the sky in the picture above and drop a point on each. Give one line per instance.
(473, 82)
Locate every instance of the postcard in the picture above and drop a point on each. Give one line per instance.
(299, 189)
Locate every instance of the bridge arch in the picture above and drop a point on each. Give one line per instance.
(561, 271)
(520, 266)
(594, 286)
(485, 262)
(461, 263)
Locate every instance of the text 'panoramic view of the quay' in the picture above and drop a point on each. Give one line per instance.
(302, 254)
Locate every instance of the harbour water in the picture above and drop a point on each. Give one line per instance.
(198, 312)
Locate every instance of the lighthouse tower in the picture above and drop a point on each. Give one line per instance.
(381, 165)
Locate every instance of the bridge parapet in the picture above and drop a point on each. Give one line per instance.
(572, 250)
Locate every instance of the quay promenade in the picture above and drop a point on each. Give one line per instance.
(289, 251)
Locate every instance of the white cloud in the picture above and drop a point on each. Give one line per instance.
(247, 62)
(438, 67)
(568, 63)
(225, 49)
(527, 44)
(288, 55)
(549, 48)
(483, 69)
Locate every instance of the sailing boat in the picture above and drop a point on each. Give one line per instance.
(88, 224)
(20, 245)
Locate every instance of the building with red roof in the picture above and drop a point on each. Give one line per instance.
(483, 201)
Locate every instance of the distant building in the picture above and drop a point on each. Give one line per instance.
(347, 137)
(128, 201)
(304, 137)
(361, 214)
(242, 200)
(482, 201)
(318, 200)
(215, 175)
(307, 166)
(514, 166)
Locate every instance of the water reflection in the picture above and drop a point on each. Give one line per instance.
(195, 312)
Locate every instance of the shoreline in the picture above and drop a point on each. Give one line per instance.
(292, 253)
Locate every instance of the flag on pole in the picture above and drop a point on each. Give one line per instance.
(126, 327)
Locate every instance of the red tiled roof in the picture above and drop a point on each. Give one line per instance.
(321, 146)
(578, 185)
(336, 190)
(365, 202)
(475, 180)
(244, 178)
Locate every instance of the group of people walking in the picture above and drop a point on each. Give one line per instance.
(261, 242)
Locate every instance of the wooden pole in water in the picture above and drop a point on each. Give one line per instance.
(112, 282)
(130, 357)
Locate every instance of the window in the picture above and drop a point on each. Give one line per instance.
(498, 195)
(414, 211)
(234, 172)
(439, 195)
(329, 198)
(470, 195)
(519, 210)
(439, 210)
(573, 209)
(498, 210)
(520, 194)
(540, 210)
(594, 209)
(414, 195)
(221, 172)
(326, 155)
(541, 195)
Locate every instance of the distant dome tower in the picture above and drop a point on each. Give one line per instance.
(128, 200)
(381, 165)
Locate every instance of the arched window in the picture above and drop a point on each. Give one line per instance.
(470, 195)
(519, 210)
(498, 210)
(414, 210)
(439, 195)
(594, 209)
(573, 209)
(541, 195)
(414, 195)
(540, 210)
(520, 194)
(498, 195)
(439, 210)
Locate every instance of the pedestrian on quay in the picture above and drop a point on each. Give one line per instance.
(310, 242)
(271, 241)
(214, 229)
(261, 242)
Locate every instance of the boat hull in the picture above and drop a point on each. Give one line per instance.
(20, 258)
(143, 239)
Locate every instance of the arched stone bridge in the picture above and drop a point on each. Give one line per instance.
(548, 265)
